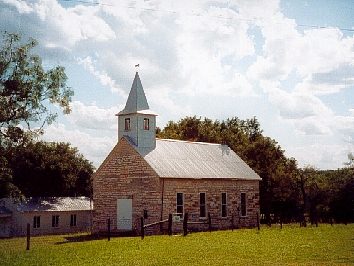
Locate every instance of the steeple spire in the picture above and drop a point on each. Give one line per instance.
(136, 122)
(136, 100)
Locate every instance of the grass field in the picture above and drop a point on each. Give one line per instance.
(324, 245)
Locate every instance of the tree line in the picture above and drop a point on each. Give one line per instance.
(29, 167)
(287, 192)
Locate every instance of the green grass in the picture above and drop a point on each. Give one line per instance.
(324, 245)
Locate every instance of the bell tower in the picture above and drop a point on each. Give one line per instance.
(136, 121)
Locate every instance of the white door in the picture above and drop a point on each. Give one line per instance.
(124, 214)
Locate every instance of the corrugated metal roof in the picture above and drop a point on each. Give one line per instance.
(5, 212)
(55, 204)
(183, 159)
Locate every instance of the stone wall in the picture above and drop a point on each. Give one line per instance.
(213, 189)
(126, 175)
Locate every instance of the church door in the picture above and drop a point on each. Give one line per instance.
(124, 214)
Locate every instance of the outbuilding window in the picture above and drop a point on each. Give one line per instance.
(202, 205)
(243, 204)
(36, 221)
(180, 209)
(73, 220)
(146, 124)
(223, 205)
(127, 124)
(55, 220)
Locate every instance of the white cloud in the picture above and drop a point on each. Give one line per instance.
(102, 76)
(92, 147)
(319, 155)
(294, 105)
(192, 50)
(21, 6)
(93, 117)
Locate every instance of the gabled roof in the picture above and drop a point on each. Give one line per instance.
(55, 204)
(136, 102)
(183, 159)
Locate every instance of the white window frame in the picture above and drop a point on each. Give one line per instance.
(36, 221)
(146, 124)
(179, 205)
(55, 220)
(127, 124)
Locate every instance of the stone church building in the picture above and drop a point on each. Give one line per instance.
(152, 178)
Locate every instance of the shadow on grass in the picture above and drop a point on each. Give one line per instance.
(92, 237)
(81, 238)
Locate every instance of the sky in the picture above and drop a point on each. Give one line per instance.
(288, 63)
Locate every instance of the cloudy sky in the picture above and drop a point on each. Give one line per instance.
(289, 63)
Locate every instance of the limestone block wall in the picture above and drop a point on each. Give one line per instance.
(125, 175)
(191, 188)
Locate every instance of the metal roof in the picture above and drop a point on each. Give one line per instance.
(183, 159)
(5, 212)
(136, 100)
(55, 204)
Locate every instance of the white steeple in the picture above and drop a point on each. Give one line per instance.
(136, 121)
(136, 100)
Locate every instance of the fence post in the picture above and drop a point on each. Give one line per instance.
(232, 222)
(258, 227)
(281, 223)
(170, 224)
(209, 221)
(142, 227)
(185, 224)
(28, 236)
(109, 228)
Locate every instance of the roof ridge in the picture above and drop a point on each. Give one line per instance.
(192, 142)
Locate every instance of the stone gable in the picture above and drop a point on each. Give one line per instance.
(125, 175)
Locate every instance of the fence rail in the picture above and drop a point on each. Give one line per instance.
(144, 226)
(186, 223)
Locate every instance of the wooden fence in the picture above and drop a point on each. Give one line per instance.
(144, 226)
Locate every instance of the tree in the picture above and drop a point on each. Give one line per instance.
(27, 92)
(51, 169)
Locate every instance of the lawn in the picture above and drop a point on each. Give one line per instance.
(323, 245)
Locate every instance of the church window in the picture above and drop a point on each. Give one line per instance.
(127, 124)
(243, 204)
(73, 220)
(36, 221)
(146, 124)
(55, 220)
(202, 206)
(223, 205)
(180, 203)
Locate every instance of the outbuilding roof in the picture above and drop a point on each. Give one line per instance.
(55, 204)
(184, 159)
(5, 212)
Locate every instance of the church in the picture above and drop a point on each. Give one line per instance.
(151, 178)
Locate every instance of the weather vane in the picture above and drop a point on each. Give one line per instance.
(137, 65)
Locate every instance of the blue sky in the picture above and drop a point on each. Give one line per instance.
(289, 63)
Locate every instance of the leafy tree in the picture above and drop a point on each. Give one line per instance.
(26, 89)
(51, 169)
(27, 92)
